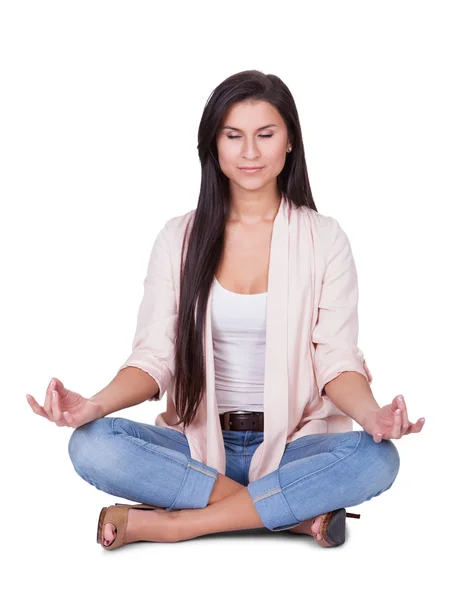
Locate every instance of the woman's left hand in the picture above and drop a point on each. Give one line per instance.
(391, 421)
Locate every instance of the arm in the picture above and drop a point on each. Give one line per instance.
(352, 395)
(147, 372)
(153, 351)
(129, 387)
(339, 364)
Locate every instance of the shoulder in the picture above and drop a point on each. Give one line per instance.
(330, 241)
(324, 227)
(173, 225)
(174, 228)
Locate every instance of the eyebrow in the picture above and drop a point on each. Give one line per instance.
(263, 127)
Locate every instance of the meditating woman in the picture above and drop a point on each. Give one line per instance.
(249, 323)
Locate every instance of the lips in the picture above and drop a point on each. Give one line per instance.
(251, 169)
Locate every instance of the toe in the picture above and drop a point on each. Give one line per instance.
(109, 533)
(316, 527)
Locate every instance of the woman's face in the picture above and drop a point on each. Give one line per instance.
(243, 140)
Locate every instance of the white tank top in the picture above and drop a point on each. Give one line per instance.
(238, 330)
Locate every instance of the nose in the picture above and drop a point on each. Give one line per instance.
(249, 149)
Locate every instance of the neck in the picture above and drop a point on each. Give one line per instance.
(251, 208)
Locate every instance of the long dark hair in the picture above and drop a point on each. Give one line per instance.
(206, 240)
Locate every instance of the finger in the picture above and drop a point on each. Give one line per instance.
(61, 422)
(48, 400)
(37, 408)
(416, 427)
(405, 417)
(68, 418)
(377, 437)
(397, 425)
(56, 414)
(59, 386)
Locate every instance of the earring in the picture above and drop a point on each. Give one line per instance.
(289, 149)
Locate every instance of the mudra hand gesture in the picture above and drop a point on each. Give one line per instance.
(64, 407)
(391, 421)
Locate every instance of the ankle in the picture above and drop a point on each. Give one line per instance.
(224, 486)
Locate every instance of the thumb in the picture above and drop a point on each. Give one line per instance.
(59, 386)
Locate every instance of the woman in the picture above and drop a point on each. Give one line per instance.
(249, 322)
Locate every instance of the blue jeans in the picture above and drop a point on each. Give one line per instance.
(152, 465)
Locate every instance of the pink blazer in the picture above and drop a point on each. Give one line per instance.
(311, 336)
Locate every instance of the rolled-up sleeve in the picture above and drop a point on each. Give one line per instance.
(153, 344)
(335, 334)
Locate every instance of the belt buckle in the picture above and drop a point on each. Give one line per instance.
(226, 417)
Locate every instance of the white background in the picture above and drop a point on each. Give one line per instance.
(100, 106)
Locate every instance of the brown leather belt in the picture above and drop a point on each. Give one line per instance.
(242, 421)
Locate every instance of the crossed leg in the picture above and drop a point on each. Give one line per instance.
(315, 475)
(230, 508)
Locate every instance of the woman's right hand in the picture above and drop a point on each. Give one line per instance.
(64, 407)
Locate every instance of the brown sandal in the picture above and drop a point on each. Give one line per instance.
(332, 528)
(117, 515)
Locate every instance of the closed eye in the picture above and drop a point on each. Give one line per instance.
(232, 137)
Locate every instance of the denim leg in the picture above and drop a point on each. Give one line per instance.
(141, 462)
(323, 472)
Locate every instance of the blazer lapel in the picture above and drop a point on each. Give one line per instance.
(268, 455)
(270, 452)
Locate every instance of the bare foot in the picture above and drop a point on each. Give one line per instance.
(309, 527)
(152, 522)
